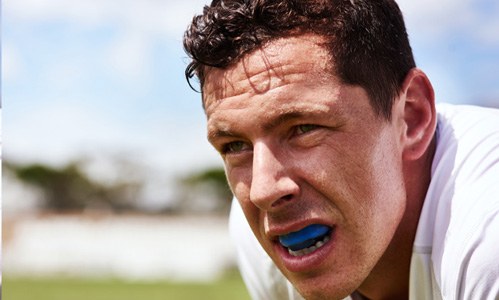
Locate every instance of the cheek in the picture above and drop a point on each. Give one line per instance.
(239, 180)
(361, 176)
(381, 187)
(387, 163)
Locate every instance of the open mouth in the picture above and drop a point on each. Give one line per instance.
(306, 240)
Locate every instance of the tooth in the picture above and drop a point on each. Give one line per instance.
(309, 249)
(294, 253)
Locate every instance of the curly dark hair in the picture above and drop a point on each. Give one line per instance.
(366, 39)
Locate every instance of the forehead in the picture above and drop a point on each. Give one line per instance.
(276, 64)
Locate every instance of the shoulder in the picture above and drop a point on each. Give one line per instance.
(469, 268)
(467, 154)
(456, 123)
(465, 196)
(478, 273)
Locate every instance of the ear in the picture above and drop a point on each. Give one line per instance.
(419, 114)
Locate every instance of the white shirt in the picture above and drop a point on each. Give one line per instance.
(456, 249)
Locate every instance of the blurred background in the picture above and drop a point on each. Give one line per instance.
(110, 189)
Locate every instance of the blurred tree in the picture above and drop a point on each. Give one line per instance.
(69, 188)
(205, 191)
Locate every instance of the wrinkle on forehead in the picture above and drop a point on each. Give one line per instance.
(266, 68)
(254, 74)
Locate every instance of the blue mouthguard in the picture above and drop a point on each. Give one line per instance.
(304, 238)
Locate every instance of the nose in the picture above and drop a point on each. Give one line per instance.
(271, 184)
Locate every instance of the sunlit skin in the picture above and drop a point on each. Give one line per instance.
(300, 147)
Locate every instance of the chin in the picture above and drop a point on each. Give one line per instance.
(315, 293)
(320, 288)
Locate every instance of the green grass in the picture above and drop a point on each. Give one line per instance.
(230, 287)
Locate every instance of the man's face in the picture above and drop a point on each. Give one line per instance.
(317, 172)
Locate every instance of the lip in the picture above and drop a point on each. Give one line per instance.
(277, 230)
(308, 262)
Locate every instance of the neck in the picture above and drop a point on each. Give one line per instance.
(390, 277)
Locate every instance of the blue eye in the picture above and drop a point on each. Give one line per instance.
(234, 147)
(305, 128)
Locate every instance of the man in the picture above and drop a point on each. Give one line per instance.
(346, 175)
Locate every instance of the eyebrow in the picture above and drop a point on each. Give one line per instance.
(283, 118)
(275, 122)
(220, 133)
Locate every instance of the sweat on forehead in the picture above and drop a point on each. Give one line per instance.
(266, 68)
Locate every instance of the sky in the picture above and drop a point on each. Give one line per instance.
(106, 78)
